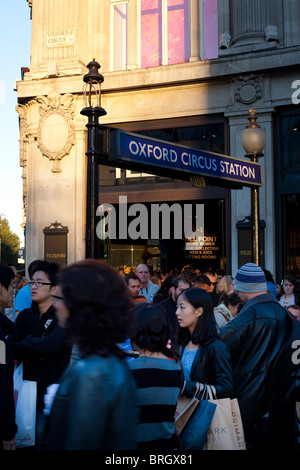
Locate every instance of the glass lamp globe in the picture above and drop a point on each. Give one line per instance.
(253, 136)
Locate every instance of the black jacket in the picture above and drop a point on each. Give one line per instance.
(95, 407)
(211, 366)
(255, 337)
(8, 427)
(41, 344)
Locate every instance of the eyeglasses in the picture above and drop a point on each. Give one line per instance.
(57, 297)
(39, 283)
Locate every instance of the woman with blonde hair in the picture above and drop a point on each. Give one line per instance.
(225, 287)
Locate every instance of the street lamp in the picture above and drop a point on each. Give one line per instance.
(92, 109)
(254, 141)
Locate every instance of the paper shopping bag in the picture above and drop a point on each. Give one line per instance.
(226, 429)
(238, 424)
(184, 410)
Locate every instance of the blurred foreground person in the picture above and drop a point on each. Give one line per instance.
(8, 427)
(95, 404)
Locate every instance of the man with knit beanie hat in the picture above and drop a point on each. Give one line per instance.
(250, 279)
(254, 337)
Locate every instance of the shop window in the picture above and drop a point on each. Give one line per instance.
(287, 179)
(290, 143)
(291, 208)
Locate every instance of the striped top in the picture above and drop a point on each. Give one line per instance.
(158, 383)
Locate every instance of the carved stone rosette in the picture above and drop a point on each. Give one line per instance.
(55, 135)
(248, 89)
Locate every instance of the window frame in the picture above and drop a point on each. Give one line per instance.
(164, 34)
(125, 52)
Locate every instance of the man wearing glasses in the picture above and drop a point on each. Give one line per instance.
(38, 341)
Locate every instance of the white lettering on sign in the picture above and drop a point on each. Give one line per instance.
(160, 154)
(148, 150)
(237, 169)
(63, 37)
(199, 161)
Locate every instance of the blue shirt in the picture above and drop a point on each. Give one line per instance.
(23, 299)
(187, 361)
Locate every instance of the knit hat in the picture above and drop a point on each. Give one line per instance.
(250, 278)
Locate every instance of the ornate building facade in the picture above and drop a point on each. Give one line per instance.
(184, 71)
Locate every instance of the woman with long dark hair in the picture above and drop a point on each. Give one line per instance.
(95, 406)
(158, 376)
(288, 292)
(205, 357)
(164, 291)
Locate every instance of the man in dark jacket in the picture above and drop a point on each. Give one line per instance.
(38, 341)
(8, 427)
(254, 337)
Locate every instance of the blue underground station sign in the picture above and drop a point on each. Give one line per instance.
(134, 151)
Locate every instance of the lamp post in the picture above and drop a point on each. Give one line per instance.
(93, 110)
(254, 141)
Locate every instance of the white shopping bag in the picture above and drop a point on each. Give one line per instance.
(25, 399)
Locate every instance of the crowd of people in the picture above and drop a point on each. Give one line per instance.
(111, 354)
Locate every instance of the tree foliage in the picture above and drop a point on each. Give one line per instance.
(10, 244)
